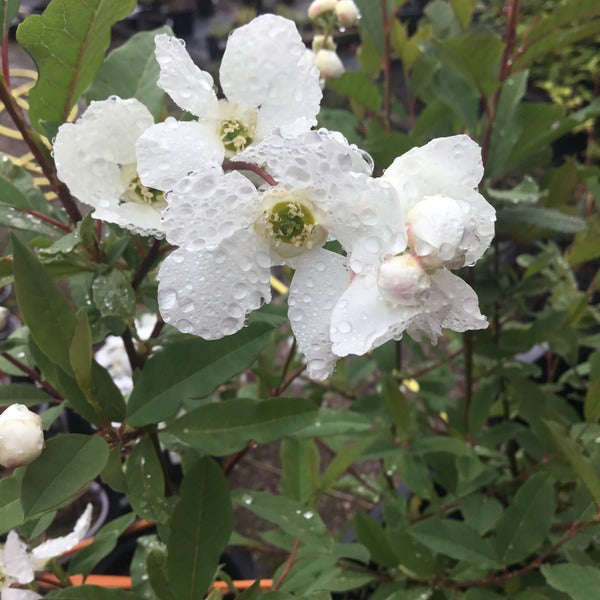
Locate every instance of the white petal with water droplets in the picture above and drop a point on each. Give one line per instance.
(265, 65)
(16, 561)
(207, 207)
(189, 87)
(210, 292)
(363, 320)
(320, 278)
(168, 151)
(15, 594)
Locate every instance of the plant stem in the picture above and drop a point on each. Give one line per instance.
(289, 380)
(39, 152)
(146, 265)
(238, 165)
(5, 63)
(288, 565)
(34, 376)
(387, 70)
(47, 219)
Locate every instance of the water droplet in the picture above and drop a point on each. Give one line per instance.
(247, 499)
(344, 327)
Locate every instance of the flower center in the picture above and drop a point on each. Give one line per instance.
(402, 280)
(289, 223)
(136, 191)
(235, 136)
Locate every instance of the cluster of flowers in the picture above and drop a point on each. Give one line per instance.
(327, 16)
(249, 185)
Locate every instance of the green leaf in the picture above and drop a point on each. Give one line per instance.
(67, 43)
(359, 87)
(458, 95)
(251, 593)
(49, 317)
(395, 402)
(92, 592)
(455, 539)
(477, 57)
(343, 459)
(526, 522)
(131, 71)
(300, 463)
(192, 369)
(591, 405)
(527, 191)
(577, 581)
(11, 513)
(463, 10)
(374, 537)
(67, 464)
(21, 393)
(371, 22)
(507, 125)
(330, 422)
(538, 216)
(80, 353)
(225, 427)
(480, 512)
(146, 483)
(8, 10)
(15, 219)
(103, 544)
(114, 296)
(199, 530)
(583, 467)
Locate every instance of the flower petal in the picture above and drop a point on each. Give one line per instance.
(320, 278)
(51, 548)
(266, 65)
(452, 304)
(206, 208)
(189, 87)
(17, 562)
(168, 151)
(89, 152)
(209, 293)
(363, 320)
(16, 594)
(142, 219)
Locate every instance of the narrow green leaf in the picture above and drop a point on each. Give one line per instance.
(372, 535)
(21, 393)
(591, 405)
(199, 530)
(192, 369)
(67, 464)
(538, 216)
(577, 581)
(251, 593)
(395, 402)
(104, 543)
(222, 428)
(49, 317)
(80, 354)
(507, 124)
(131, 71)
(455, 539)
(113, 295)
(11, 513)
(112, 474)
(583, 467)
(146, 483)
(8, 10)
(526, 522)
(300, 463)
(341, 461)
(67, 43)
(158, 576)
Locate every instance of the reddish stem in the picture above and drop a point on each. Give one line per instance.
(289, 380)
(288, 565)
(47, 219)
(5, 64)
(34, 376)
(239, 165)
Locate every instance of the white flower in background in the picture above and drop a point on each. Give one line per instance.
(95, 157)
(268, 80)
(113, 356)
(347, 13)
(318, 8)
(21, 436)
(449, 223)
(329, 64)
(18, 565)
(230, 233)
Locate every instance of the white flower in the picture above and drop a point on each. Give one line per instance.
(17, 565)
(449, 223)
(21, 436)
(229, 233)
(347, 13)
(268, 80)
(95, 157)
(318, 8)
(329, 64)
(321, 41)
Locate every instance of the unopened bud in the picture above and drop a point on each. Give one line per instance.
(329, 64)
(347, 13)
(21, 436)
(402, 280)
(318, 7)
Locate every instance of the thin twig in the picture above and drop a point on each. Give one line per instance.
(288, 360)
(46, 219)
(34, 376)
(288, 564)
(289, 380)
(5, 63)
(146, 265)
(135, 360)
(238, 165)
(230, 463)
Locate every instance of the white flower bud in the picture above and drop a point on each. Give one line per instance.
(329, 64)
(402, 280)
(323, 41)
(347, 13)
(21, 436)
(318, 7)
(438, 232)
